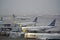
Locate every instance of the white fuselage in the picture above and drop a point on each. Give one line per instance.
(43, 35)
(37, 27)
(24, 24)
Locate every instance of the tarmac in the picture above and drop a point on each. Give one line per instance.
(19, 38)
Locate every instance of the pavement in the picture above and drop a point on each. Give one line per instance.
(19, 38)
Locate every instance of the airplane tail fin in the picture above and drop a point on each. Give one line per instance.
(53, 23)
(1, 19)
(13, 15)
(35, 20)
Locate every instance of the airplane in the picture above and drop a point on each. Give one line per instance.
(39, 28)
(17, 17)
(22, 18)
(42, 36)
(24, 24)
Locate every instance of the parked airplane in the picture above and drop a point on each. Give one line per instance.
(43, 36)
(39, 28)
(24, 24)
(23, 18)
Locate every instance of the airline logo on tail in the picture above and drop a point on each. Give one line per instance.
(53, 23)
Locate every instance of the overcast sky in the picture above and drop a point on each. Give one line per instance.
(30, 7)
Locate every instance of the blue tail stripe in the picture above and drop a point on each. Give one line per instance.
(35, 19)
(53, 23)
